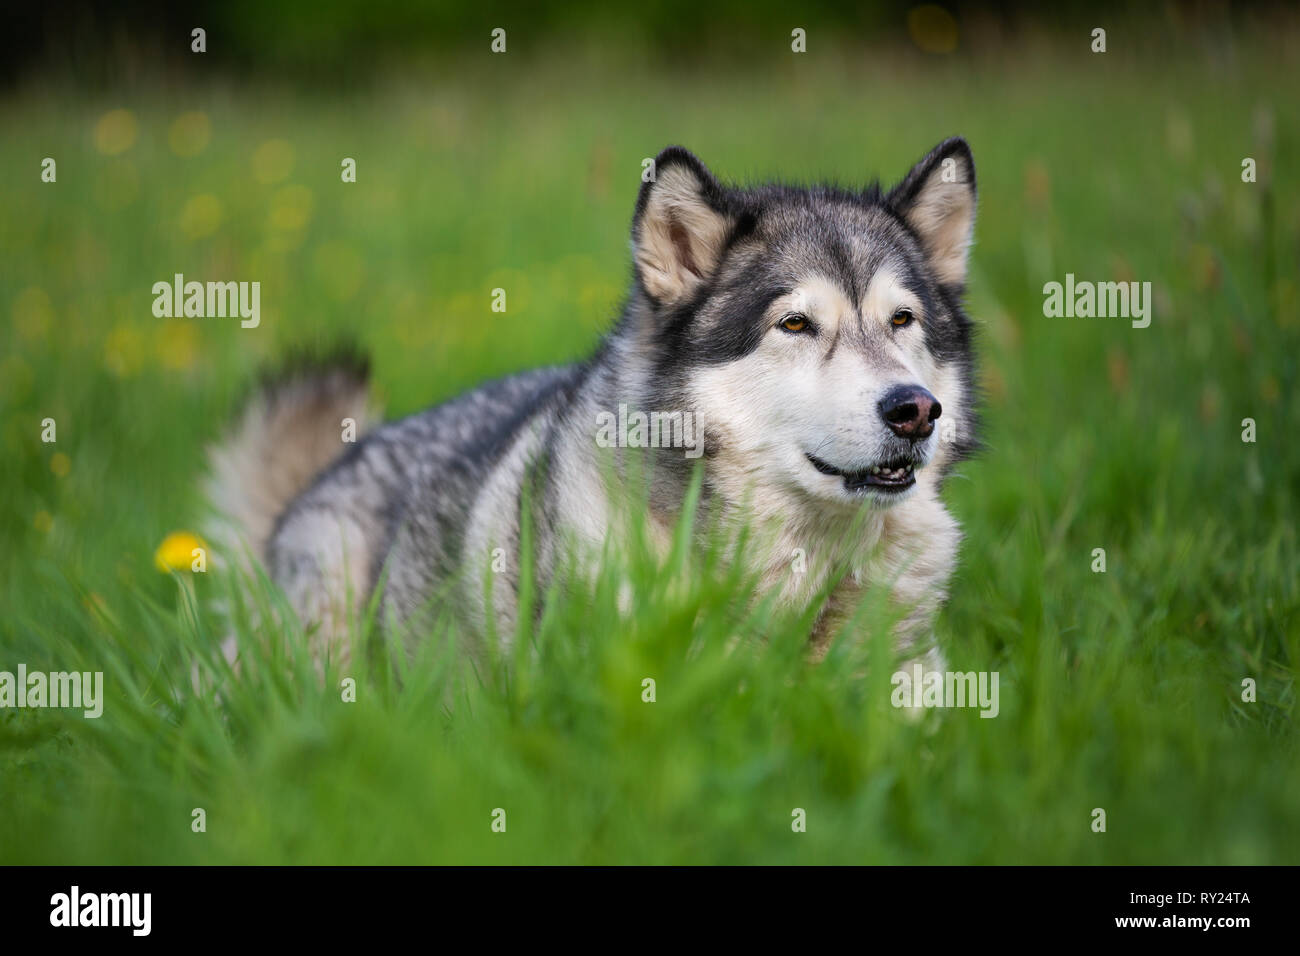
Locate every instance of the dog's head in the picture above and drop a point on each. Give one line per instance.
(816, 332)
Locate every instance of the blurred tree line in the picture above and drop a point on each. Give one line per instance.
(97, 44)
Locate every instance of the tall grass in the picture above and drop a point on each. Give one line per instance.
(1119, 690)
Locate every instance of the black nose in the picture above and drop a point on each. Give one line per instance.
(910, 411)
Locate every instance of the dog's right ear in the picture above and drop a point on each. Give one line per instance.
(680, 226)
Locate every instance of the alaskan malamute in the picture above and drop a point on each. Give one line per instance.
(806, 344)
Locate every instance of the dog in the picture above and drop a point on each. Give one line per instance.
(814, 335)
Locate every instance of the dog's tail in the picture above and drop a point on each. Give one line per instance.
(290, 428)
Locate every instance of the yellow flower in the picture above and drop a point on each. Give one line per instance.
(176, 343)
(123, 350)
(176, 553)
(33, 314)
(115, 132)
(291, 208)
(200, 216)
(933, 28)
(189, 134)
(273, 161)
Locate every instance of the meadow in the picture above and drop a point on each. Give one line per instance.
(1120, 690)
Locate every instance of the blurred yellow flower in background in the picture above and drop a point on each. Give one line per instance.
(200, 216)
(176, 343)
(60, 464)
(189, 134)
(932, 28)
(273, 161)
(116, 132)
(291, 208)
(124, 350)
(176, 553)
(33, 313)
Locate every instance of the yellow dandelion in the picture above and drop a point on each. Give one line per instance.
(116, 132)
(124, 350)
(176, 553)
(60, 464)
(291, 208)
(932, 28)
(189, 134)
(273, 161)
(43, 522)
(33, 314)
(176, 343)
(201, 216)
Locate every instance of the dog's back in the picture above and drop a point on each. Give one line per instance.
(322, 514)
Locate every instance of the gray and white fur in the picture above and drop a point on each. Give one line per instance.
(815, 333)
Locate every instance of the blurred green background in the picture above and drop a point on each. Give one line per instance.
(475, 171)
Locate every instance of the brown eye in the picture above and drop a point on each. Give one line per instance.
(795, 323)
(902, 317)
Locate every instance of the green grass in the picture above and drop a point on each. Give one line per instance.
(1119, 690)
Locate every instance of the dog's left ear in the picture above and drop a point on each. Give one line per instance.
(680, 226)
(937, 199)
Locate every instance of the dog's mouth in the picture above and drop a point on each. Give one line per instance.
(893, 476)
